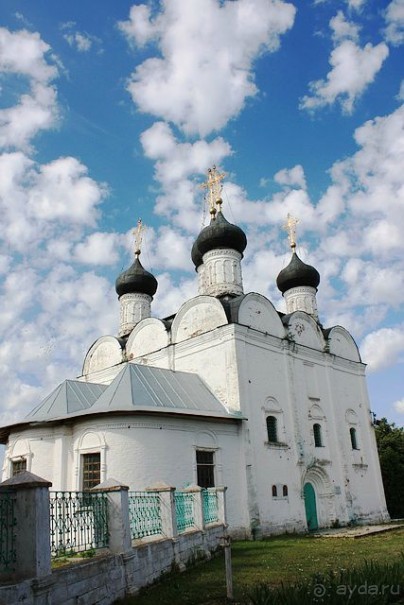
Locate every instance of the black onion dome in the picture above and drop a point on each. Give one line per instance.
(218, 234)
(297, 273)
(136, 279)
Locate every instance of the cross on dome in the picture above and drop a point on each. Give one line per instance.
(290, 227)
(138, 233)
(214, 187)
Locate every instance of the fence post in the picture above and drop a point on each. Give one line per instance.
(168, 516)
(221, 505)
(120, 539)
(198, 505)
(32, 541)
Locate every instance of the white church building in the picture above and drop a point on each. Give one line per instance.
(226, 392)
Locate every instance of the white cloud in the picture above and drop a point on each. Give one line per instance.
(98, 249)
(175, 166)
(383, 347)
(400, 95)
(295, 202)
(25, 54)
(353, 69)
(343, 29)
(371, 283)
(80, 41)
(204, 74)
(355, 4)
(62, 190)
(291, 177)
(38, 201)
(394, 17)
(171, 294)
(369, 185)
(68, 311)
(51, 310)
(176, 161)
(171, 250)
(399, 406)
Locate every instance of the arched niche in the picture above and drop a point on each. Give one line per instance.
(272, 406)
(341, 343)
(90, 439)
(351, 417)
(206, 439)
(303, 329)
(149, 335)
(257, 312)
(197, 316)
(319, 478)
(316, 412)
(20, 447)
(104, 353)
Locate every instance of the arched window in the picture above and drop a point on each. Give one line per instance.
(91, 470)
(318, 442)
(354, 441)
(274, 492)
(285, 491)
(18, 466)
(205, 468)
(272, 429)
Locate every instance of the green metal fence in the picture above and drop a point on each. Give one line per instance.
(184, 510)
(8, 554)
(209, 506)
(78, 522)
(144, 514)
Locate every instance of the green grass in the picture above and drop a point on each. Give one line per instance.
(284, 559)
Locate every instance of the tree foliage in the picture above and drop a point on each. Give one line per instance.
(390, 444)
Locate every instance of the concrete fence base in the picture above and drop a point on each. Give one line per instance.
(108, 577)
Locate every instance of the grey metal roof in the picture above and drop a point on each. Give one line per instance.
(138, 386)
(69, 397)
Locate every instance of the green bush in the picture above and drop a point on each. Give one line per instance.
(373, 583)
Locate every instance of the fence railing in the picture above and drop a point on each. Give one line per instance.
(8, 524)
(78, 522)
(209, 506)
(36, 524)
(145, 514)
(184, 510)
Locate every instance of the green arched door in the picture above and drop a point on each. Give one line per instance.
(311, 507)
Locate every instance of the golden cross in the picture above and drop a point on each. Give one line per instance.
(290, 227)
(138, 233)
(214, 187)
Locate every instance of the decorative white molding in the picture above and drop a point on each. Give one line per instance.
(302, 298)
(134, 307)
(221, 273)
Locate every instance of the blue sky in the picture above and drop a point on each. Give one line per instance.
(114, 110)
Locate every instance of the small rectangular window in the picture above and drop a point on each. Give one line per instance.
(91, 470)
(18, 466)
(205, 468)
(318, 440)
(354, 441)
(272, 429)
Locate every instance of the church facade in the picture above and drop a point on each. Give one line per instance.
(228, 391)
